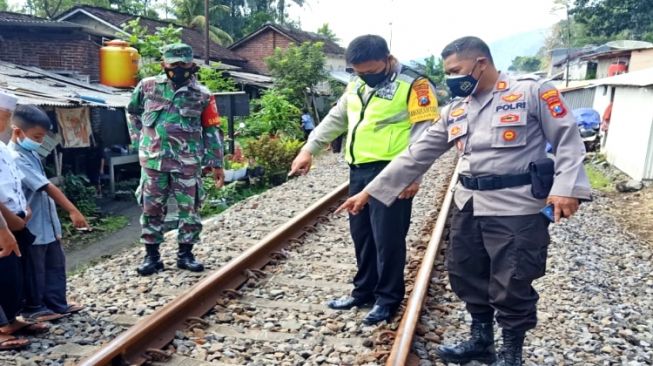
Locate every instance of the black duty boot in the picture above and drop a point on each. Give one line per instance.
(186, 259)
(511, 350)
(480, 347)
(152, 262)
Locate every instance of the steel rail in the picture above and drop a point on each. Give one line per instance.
(158, 329)
(400, 353)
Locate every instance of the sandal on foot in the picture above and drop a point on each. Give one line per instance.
(9, 342)
(73, 308)
(33, 329)
(42, 316)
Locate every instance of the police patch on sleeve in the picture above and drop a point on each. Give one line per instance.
(422, 103)
(554, 103)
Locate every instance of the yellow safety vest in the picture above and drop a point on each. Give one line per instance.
(380, 129)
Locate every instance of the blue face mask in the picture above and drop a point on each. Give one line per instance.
(463, 85)
(29, 144)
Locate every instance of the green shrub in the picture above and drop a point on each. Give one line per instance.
(274, 115)
(212, 78)
(274, 154)
(217, 200)
(81, 195)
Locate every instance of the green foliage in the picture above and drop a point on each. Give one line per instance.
(298, 68)
(217, 200)
(434, 69)
(212, 78)
(3, 5)
(53, 8)
(83, 196)
(327, 32)
(274, 154)
(255, 20)
(597, 179)
(526, 64)
(274, 115)
(594, 22)
(630, 18)
(149, 45)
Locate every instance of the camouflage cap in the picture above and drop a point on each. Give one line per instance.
(177, 52)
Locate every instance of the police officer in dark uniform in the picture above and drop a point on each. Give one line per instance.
(498, 240)
(384, 108)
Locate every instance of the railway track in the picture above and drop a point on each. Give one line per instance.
(266, 305)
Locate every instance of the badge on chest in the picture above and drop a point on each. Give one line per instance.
(388, 91)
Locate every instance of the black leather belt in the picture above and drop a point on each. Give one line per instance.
(373, 164)
(492, 182)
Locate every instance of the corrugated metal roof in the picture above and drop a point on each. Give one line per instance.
(36, 86)
(635, 78)
(252, 79)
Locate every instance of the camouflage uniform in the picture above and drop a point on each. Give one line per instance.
(174, 143)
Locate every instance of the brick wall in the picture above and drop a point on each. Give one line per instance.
(54, 51)
(257, 49)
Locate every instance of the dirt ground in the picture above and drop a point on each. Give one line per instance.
(635, 211)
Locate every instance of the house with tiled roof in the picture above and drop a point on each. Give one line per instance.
(61, 47)
(260, 44)
(112, 21)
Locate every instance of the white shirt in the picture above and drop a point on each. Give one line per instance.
(11, 192)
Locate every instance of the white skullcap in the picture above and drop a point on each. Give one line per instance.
(7, 101)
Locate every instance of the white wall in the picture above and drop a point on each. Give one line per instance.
(335, 62)
(629, 135)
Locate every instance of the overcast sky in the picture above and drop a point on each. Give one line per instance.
(420, 28)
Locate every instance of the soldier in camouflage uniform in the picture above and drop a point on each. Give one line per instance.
(174, 120)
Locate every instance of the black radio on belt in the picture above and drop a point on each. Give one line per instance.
(540, 177)
(542, 172)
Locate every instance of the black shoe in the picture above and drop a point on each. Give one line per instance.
(480, 347)
(380, 313)
(511, 350)
(151, 264)
(348, 302)
(186, 259)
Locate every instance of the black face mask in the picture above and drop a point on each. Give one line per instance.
(373, 80)
(180, 75)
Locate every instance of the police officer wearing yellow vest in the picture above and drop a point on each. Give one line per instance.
(382, 110)
(498, 239)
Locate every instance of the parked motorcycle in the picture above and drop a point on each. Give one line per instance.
(589, 121)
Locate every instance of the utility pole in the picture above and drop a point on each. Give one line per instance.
(206, 33)
(568, 42)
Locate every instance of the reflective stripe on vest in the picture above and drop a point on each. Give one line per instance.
(380, 129)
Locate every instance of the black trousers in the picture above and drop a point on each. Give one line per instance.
(46, 289)
(492, 262)
(336, 145)
(13, 276)
(379, 235)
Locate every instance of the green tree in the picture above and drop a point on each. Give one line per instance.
(297, 69)
(327, 32)
(3, 5)
(434, 69)
(274, 115)
(526, 64)
(53, 8)
(191, 14)
(212, 77)
(282, 16)
(608, 18)
(149, 44)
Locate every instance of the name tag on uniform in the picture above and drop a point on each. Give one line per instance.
(388, 91)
